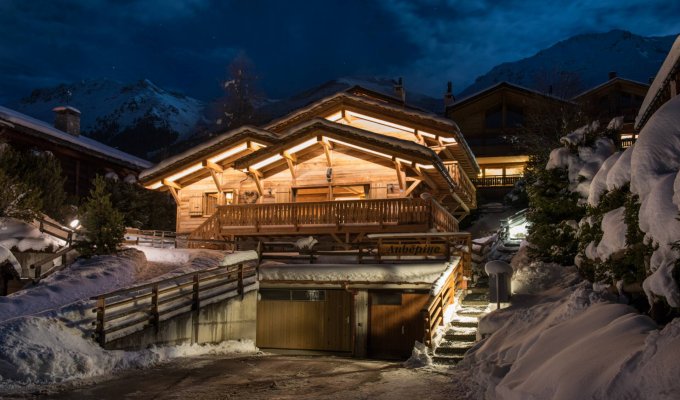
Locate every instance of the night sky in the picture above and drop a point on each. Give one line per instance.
(186, 44)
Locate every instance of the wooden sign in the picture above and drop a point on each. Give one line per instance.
(412, 249)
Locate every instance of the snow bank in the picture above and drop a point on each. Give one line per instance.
(44, 350)
(6, 256)
(572, 342)
(614, 234)
(15, 234)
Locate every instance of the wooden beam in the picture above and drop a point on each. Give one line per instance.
(327, 151)
(171, 184)
(412, 187)
(400, 176)
(423, 175)
(212, 166)
(256, 176)
(291, 167)
(175, 195)
(216, 179)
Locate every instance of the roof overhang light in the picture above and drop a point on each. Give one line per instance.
(335, 117)
(228, 153)
(377, 153)
(155, 186)
(380, 121)
(423, 166)
(448, 140)
(267, 161)
(185, 172)
(427, 134)
(302, 146)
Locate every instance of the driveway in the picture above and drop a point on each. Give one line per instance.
(273, 377)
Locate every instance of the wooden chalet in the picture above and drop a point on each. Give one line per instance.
(342, 167)
(616, 98)
(488, 118)
(665, 86)
(81, 158)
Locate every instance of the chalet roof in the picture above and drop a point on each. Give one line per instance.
(341, 131)
(34, 127)
(502, 85)
(670, 65)
(205, 149)
(411, 114)
(610, 82)
(385, 143)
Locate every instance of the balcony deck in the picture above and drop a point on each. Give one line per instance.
(328, 217)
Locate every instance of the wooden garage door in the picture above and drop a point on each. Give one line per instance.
(304, 319)
(395, 323)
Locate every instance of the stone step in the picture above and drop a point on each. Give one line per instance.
(472, 314)
(464, 324)
(459, 349)
(464, 337)
(447, 359)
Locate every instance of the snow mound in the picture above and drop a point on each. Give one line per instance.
(16, 234)
(619, 174)
(6, 256)
(599, 183)
(420, 357)
(614, 233)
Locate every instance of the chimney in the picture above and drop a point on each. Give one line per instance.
(399, 90)
(67, 119)
(612, 75)
(449, 98)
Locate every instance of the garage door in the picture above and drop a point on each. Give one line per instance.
(304, 319)
(396, 323)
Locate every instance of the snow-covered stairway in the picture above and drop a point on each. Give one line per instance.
(462, 332)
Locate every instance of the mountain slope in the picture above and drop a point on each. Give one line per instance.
(582, 62)
(139, 117)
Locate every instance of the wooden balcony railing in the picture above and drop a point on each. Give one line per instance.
(328, 217)
(466, 189)
(494, 181)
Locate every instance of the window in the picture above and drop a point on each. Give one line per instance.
(514, 171)
(229, 197)
(494, 118)
(209, 203)
(294, 295)
(493, 171)
(386, 299)
(514, 117)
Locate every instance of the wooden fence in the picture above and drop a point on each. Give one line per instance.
(129, 310)
(433, 313)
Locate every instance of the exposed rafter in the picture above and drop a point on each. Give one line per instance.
(174, 194)
(256, 176)
(172, 184)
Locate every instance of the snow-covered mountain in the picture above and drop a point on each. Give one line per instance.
(582, 62)
(279, 108)
(139, 117)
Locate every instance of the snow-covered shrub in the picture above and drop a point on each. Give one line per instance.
(102, 223)
(17, 200)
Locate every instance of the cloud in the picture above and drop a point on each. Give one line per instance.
(463, 39)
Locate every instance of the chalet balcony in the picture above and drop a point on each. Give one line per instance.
(327, 217)
(497, 181)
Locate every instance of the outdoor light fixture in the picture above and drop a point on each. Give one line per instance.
(74, 224)
(155, 185)
(267, 161)
(185, 172)
(377, 153)
(380, 121)
(228, 153)
(302, 145)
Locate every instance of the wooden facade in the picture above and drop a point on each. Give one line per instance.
(489, 118)
(617, 97)
(81, 158)
(331, 168)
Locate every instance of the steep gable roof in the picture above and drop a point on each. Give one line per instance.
(499, 86)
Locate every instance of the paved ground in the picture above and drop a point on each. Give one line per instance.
(273, 377)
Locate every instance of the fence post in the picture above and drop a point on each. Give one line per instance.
(195, 298)
(155, 316)
(240, 280)
(99, 328)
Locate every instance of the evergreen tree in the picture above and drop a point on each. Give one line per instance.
(17, 200)
(142, 208)
(103, 225)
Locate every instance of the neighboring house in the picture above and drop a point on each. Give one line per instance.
(616, 98)
(380, 185)
(81, 158)
(665, 86)
(490, 120)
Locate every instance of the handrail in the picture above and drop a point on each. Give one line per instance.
(67, 233)
(494, 181)
(466, 188)
(442, 220)
(129, 310)
(38, 273)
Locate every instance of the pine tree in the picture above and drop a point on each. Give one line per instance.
(17, 200)
(102, 223)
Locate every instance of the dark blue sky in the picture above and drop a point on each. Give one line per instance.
(187, 44)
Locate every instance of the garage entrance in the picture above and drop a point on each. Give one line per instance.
(395, 323)
(304, 319)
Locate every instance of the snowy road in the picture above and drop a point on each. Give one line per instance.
(275, 377)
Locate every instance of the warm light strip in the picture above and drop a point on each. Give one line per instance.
(185, 172)
(155, 185)
(423, 166)
(267, 161)
(447, 140)
(381, 122)
(302, 146)
(228, 153)
(377, 153)
(335, 117)
(404, 161)
(427, 134)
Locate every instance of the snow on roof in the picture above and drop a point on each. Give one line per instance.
(414, 273)
(660, 81)
(92, 146)
(208, 147)
(509, 84)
